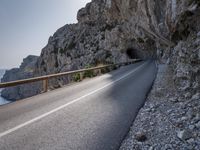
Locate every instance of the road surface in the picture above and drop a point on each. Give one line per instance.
(95, 114)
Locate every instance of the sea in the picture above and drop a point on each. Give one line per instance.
(2, 100)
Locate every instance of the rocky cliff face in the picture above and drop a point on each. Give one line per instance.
(110, 31)
(25, 71)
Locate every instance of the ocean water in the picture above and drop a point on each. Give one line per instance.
(2, 100)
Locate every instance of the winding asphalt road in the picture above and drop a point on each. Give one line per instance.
(95, 114)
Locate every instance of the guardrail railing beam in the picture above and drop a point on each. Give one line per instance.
(46, 78)
(81, 76)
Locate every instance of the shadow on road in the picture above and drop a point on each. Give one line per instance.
(119, 105)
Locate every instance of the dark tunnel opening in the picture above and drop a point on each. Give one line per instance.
(133, 53)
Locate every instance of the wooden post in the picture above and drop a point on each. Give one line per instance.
(81, 76)
(99, 71)
(45, 85)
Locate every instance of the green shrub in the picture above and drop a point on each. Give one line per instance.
(88, 74)
(140, 40)
(76, 77)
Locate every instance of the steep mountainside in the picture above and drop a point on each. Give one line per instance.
(110, 31)
(25, 71)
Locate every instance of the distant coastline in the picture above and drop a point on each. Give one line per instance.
(2, 100)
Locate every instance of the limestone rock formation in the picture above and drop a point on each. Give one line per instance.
(25, 71)
(110, 31)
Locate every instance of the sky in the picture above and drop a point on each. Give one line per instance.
(26, 25)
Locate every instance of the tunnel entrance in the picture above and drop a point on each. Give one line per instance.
(133, 53)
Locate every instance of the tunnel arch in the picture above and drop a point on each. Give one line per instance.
(133, 53)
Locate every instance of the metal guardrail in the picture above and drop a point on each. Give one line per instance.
(47, 77)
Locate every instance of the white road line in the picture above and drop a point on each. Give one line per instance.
(67, 104)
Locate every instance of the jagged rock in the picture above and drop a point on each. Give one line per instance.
(198, 124)
(197, 116)
(184, 135)
(140, 137)
(196, 96)
(198, 34)
(25, 71)
(187, 95)
(191, 127)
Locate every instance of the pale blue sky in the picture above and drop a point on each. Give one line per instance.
(25, 26)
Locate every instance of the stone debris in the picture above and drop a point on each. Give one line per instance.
(140, 137)
(184, 134)
(174, 122)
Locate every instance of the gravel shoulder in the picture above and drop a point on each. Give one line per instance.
(167, 121)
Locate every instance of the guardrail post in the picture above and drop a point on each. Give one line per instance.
(99, 71)
(45, 85)
(81, 76)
